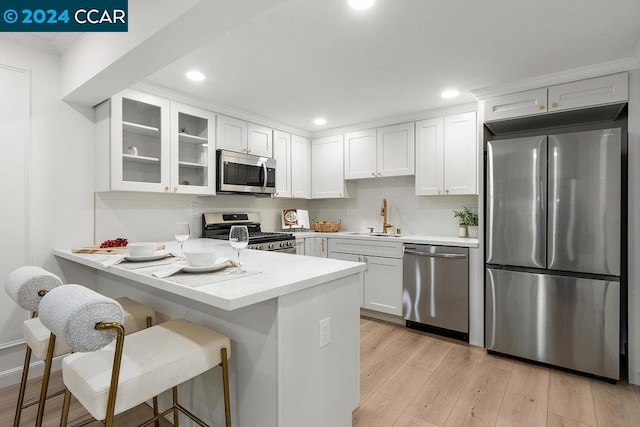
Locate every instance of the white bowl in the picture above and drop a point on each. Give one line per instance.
(142, 249)
(201, 258)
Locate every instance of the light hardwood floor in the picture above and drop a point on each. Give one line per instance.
(412, 379)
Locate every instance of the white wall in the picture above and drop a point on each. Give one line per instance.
(431, 215)
(59, 177)
(152, 217)
(634, 227)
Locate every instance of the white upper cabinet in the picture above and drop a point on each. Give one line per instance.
(596, 91)
(396, 150)
(569, 96)
(460, 154)
(519, 104)
(260, 140)
(386, 151)
(193, 154)
(430, 157)
(447, 161)
(300, 167)
(360, 154)
(231, 134)
(133, 143)
(282, 155)
(327, 168)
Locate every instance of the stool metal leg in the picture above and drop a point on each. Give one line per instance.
(155, 398)
(176, 414)
(225, 387)
(45, 380)
(65, 408)
(23, 386)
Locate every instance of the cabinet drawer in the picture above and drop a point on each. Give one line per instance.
(368, 247)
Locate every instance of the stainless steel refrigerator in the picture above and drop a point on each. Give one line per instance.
(553, 251)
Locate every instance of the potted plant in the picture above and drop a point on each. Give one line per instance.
(468, 218)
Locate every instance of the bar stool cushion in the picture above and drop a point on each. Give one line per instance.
(153, 361)
(37, 335)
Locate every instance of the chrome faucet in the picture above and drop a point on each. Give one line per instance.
(383, 214)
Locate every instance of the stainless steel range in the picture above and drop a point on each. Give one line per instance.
(216, 225)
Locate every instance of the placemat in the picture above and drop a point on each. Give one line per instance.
(194, 280)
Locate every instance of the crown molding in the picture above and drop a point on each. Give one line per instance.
(154, 89)
(413, 117)
(589, 71)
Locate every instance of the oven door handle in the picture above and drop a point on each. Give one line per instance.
(264, 176)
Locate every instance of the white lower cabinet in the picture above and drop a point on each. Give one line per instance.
(315, 246)
(382, 288)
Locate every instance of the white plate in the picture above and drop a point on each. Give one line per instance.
(219, 265)
(157, 255)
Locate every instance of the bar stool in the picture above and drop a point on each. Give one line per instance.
(26, 286)
(114, 378)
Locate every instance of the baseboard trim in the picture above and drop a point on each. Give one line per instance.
(13, 376)
(382, 316)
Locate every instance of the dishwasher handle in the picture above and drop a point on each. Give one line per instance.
(435, 254)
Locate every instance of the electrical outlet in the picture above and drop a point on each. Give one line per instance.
(194, 208)
(325, 332)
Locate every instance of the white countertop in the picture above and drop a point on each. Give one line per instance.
(280, 274)
(403, 238)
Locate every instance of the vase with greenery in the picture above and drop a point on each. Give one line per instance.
(468, 218)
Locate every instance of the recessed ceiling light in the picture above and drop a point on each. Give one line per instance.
(361, 4)
(196, 76)
(451, 93)
(320, 121)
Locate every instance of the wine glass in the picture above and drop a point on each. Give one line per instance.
(182, 234)
(239, 239)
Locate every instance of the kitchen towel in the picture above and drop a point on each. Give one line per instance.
(71, 313)
(24, 283)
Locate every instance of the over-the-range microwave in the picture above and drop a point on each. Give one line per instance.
(245, 173)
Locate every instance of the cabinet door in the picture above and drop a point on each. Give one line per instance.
(519, 104)
(193, 156)
(383, 285)
(585, 93)
(231, 134)
(352, 258)
(327, 168)
(396, 150)
(430, 157)
(140, 142)
(460, 154)
(360, 154)
(260, 140)
(282, 155)
(316, 246)
(300, 167)
(300, 247)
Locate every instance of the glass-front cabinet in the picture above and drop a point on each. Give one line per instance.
(192, 150)
(148, 143)
(132, 130)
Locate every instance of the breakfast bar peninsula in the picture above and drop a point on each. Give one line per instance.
(293, 323)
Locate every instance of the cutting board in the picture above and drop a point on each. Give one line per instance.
(98, 250)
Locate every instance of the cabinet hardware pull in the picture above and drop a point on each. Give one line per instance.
(439, 191)
(166, 188)
(540, 107)
(175, 189)
(554, 105)
(446, 191)
(340, 195)
(373, 174)
(379, 173)
(321, 245)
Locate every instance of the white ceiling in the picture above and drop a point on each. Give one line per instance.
(309, 58)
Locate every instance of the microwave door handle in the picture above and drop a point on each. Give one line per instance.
(264, 176)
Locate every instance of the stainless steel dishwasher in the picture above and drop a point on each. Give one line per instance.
(435, 294)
